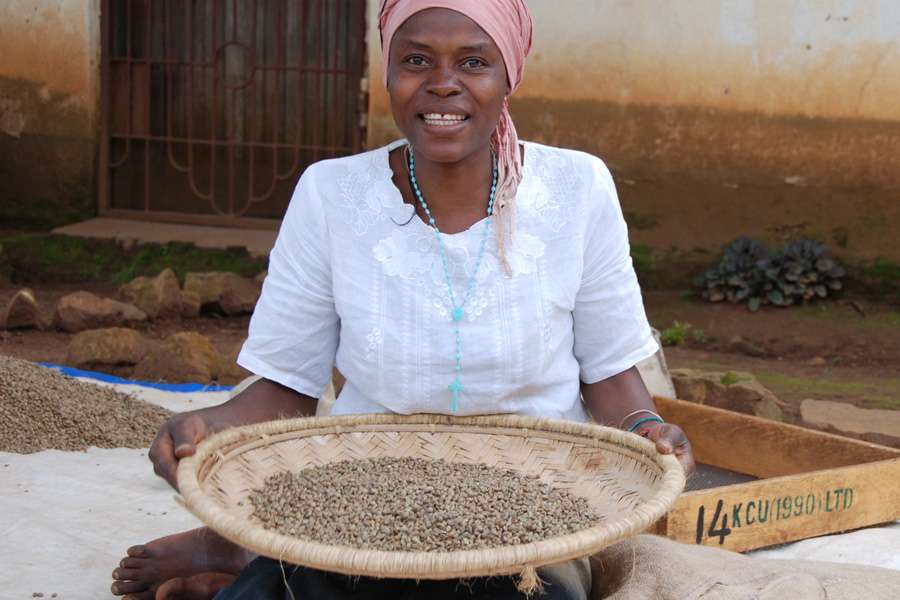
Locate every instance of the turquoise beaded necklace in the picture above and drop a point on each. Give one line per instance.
(458, 310)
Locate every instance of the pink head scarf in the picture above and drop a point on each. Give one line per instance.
(509, 23)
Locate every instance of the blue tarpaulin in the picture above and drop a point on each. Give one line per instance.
(166, 387)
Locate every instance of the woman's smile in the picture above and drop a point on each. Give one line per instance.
(446, 122)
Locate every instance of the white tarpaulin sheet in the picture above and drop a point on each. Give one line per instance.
(66, 518)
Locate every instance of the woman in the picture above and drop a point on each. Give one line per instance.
(457, 271)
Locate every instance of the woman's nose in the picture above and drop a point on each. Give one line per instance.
(443, 82)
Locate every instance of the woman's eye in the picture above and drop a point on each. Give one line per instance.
(416, 60)
(474, 63)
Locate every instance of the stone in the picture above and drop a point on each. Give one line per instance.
(111, 346)
(736, 391)
(82, 310)
(158, 296)
(22, 311)
(190, 305)
(227, 293)
(188, 357)
(746, 347)
(872, 424)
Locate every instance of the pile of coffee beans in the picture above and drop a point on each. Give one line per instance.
(412, 504)
(41, 409)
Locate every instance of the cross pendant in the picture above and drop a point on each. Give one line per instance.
(455, 387)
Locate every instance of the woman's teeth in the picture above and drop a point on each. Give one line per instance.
(439, 119)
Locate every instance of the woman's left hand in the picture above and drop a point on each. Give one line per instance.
(670, 439)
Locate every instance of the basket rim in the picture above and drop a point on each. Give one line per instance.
(425, 565)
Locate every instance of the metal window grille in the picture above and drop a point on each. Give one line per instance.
(213, 108)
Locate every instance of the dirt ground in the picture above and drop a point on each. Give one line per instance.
(226, 334)
(846, 350)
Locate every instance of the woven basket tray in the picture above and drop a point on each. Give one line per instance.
(625, 480)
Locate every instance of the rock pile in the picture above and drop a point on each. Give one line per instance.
(188, 357)
(83, 310)
(158, 296)
(112, 346)
(22, 312)
(732, 390)
(41, 409)
(224, 293)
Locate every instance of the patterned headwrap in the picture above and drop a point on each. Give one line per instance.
(509, 23)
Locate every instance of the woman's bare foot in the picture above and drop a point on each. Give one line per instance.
(197, 587)
(185, 554)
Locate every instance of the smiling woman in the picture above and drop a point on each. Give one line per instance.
(456, 271)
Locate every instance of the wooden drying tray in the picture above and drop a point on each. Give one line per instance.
(809, 483)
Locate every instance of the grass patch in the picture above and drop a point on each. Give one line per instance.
(643, 259)
(47, 258)
(881, 393)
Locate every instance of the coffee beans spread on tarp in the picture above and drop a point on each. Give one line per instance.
(41, 408)
(412, 504)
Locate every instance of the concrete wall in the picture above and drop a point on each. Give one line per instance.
(49, 96)
(721, 117)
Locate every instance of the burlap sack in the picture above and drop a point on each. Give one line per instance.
(648, 566)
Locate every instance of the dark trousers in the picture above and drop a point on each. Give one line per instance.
(263, 579)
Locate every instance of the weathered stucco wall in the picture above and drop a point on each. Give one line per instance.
(49, 90)
(722, 117)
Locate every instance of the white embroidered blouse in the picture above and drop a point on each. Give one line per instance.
(354, 282)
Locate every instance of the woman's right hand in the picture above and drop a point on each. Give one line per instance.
(263, 400)
(177, 439)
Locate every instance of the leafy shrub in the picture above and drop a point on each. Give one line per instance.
(748, 272)
(737, 276)
(675, 335)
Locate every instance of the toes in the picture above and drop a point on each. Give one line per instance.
(139, 551)
(119, 588)
(131, 563)
(126, 574)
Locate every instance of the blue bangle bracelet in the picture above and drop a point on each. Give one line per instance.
(644, 420)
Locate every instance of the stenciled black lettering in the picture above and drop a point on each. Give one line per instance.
(798, 506)
(747, 516)
(848, 498)
(837, 498)
(736, 514)
(811, 503)
(828, 501)
(700, 523)
(723, 531)
(788, 507)
(763, 515)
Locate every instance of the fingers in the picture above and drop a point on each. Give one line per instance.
(670, 439)
(177, 439)
(162, 455)
(187, 435)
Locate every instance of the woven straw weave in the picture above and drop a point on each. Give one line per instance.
(627, 483)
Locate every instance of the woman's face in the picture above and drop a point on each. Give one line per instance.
(447, 82)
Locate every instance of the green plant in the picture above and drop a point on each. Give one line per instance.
(643, 259)
(736, 277)
(699, 336)
(729, 378)
(749, 272)
(675, 335)
(801, 272)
